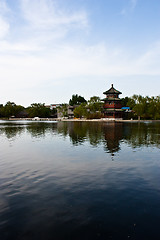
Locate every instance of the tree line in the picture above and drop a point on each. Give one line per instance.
(140, 108)
(10, 109)
(143, 107)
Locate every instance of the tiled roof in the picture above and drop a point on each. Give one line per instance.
(113, 110)
(112, 90)
(111, 99)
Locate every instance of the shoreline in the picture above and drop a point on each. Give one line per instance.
(77, 120)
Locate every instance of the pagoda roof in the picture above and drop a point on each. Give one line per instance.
(112, 90)
(113, 110)
(111, 99)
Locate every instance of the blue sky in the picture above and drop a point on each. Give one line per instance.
(51, 49)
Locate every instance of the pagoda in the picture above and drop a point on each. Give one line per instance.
(112, 107)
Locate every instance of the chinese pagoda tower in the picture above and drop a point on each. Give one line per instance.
(112, 104)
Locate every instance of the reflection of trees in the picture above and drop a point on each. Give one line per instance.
(62, 128)
(11, 131)
(94, 132)
(81, 131)
(109, 134)
(143, 134)
(78, 132)
(37, 129)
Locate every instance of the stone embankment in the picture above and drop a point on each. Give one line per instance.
(79, 120)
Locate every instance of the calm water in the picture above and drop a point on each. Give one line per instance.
(79, 181)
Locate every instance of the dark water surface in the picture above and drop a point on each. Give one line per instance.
(79, 180)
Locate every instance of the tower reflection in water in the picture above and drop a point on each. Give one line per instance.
(108, 134)
(113, 134)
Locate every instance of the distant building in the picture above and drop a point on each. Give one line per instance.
(52, 106)
(65, 110)
(70, 111)
(112, 107)
(127, 109)
(22, 114)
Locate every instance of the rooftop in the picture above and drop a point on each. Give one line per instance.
(112, 90)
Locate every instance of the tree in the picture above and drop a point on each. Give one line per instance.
(38, 110)
(76, 100)
(1, 110)
(128, 102)
(141, 106)
(10, 109)
(80, 111)
(154, 107)
(95, 104)
(53, 112)
(90, 110)
(62, 111)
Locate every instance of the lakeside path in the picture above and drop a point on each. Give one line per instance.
(79, 120)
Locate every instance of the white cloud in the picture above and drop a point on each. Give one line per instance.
(133, 4)
(149, 61)
(18, 48)
(4, 28)
(129, 8)
(45, 15)
(57, 67)
(3, 7)
(42, 57)
(74, 61)
(4, 23)
(123, 11)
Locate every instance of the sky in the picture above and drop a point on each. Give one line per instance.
(52, 49)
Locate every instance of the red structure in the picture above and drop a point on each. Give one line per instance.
(112, 104)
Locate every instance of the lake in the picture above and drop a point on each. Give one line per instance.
(79, 180)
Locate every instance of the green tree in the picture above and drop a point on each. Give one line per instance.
(141, 107)
(80, 111)
(154, 107)
(10, 109)
(1, 110)
(63, 110)
(38, 110)
(95, 104)
(128, 102)
(76, 100)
